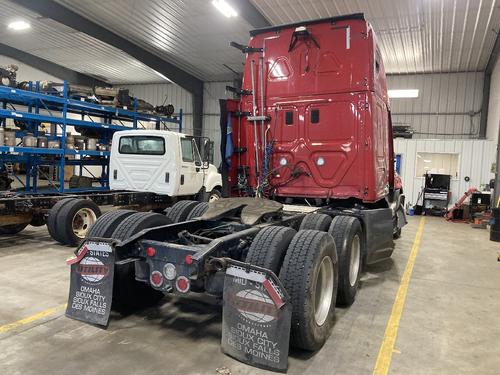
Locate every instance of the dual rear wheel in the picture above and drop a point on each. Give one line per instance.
(306, 262)
(319, 266)
(128, 293)
(70, 219)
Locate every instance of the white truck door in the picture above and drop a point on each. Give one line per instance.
(191, 175)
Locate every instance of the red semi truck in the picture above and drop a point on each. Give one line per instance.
(312, 128)
(313, 123)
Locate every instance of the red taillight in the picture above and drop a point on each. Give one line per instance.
(150, 251)
(182, 284)
(156, 279)
(188, 259)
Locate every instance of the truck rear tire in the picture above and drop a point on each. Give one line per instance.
(107, 223)
(12, 229)
(316, 221)
(138, 221)
(180, 211)
(128, 293)
(52, 224)
(310, 276)
(198, 210)
(348, 236)
(269, 246)
(74, 220)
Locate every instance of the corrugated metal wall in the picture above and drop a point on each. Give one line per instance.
(475, 159)
(213, 91)
(441, 93)
(166, 93)
(443, 107)
(161, 93)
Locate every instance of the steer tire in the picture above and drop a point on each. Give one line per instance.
(211, 196)
(344, 230)
(309, 252)
(269, 246)
(198, 210)
(12, 229)
(316, 221)
(180, 211)
(107, 223)
(138, 221)
(66, 216)
(52, 224)
(128, 293)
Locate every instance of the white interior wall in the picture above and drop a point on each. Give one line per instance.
(493, 124)
(26, 72)
(439, 110)
(475, 160)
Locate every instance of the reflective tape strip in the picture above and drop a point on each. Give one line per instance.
(242, 273)
(79, 257)
(273, 294)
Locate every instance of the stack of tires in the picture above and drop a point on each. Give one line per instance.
(319, 266)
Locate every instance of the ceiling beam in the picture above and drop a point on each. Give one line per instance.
(67, 17)
(51, 68)
(250, 13)
(487, 87)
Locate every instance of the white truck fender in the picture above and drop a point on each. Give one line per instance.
(212, 178)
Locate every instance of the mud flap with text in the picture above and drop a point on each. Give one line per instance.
(91, 282)
(256, 317)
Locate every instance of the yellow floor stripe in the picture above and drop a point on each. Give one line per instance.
(391, 332)
(32, 318)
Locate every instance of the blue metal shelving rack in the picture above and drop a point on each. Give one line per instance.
(35, 107)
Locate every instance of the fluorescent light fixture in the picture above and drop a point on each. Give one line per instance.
(412, 93)
(223, 7)
(19, 25)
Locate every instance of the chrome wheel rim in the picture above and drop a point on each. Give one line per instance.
(355, 260)
(323, 291)
(82, 221)
(213, 197)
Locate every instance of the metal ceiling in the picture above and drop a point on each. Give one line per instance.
(415, 36)
(77, 51)
(189, 33)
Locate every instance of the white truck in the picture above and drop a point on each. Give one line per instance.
(161, 162)
(149, 170)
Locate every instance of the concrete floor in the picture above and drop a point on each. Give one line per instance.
(450, 323)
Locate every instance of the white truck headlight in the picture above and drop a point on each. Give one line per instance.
(320, 161)
(283, 162)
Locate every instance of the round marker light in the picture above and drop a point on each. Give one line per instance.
(150, 251)
(169, 271)
(156, 279)
(188, 259)
(182, 284)
(320, 161)
(283, 162)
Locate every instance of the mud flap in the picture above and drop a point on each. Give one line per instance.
(256, 317)
(91, 282)
(401, 217)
